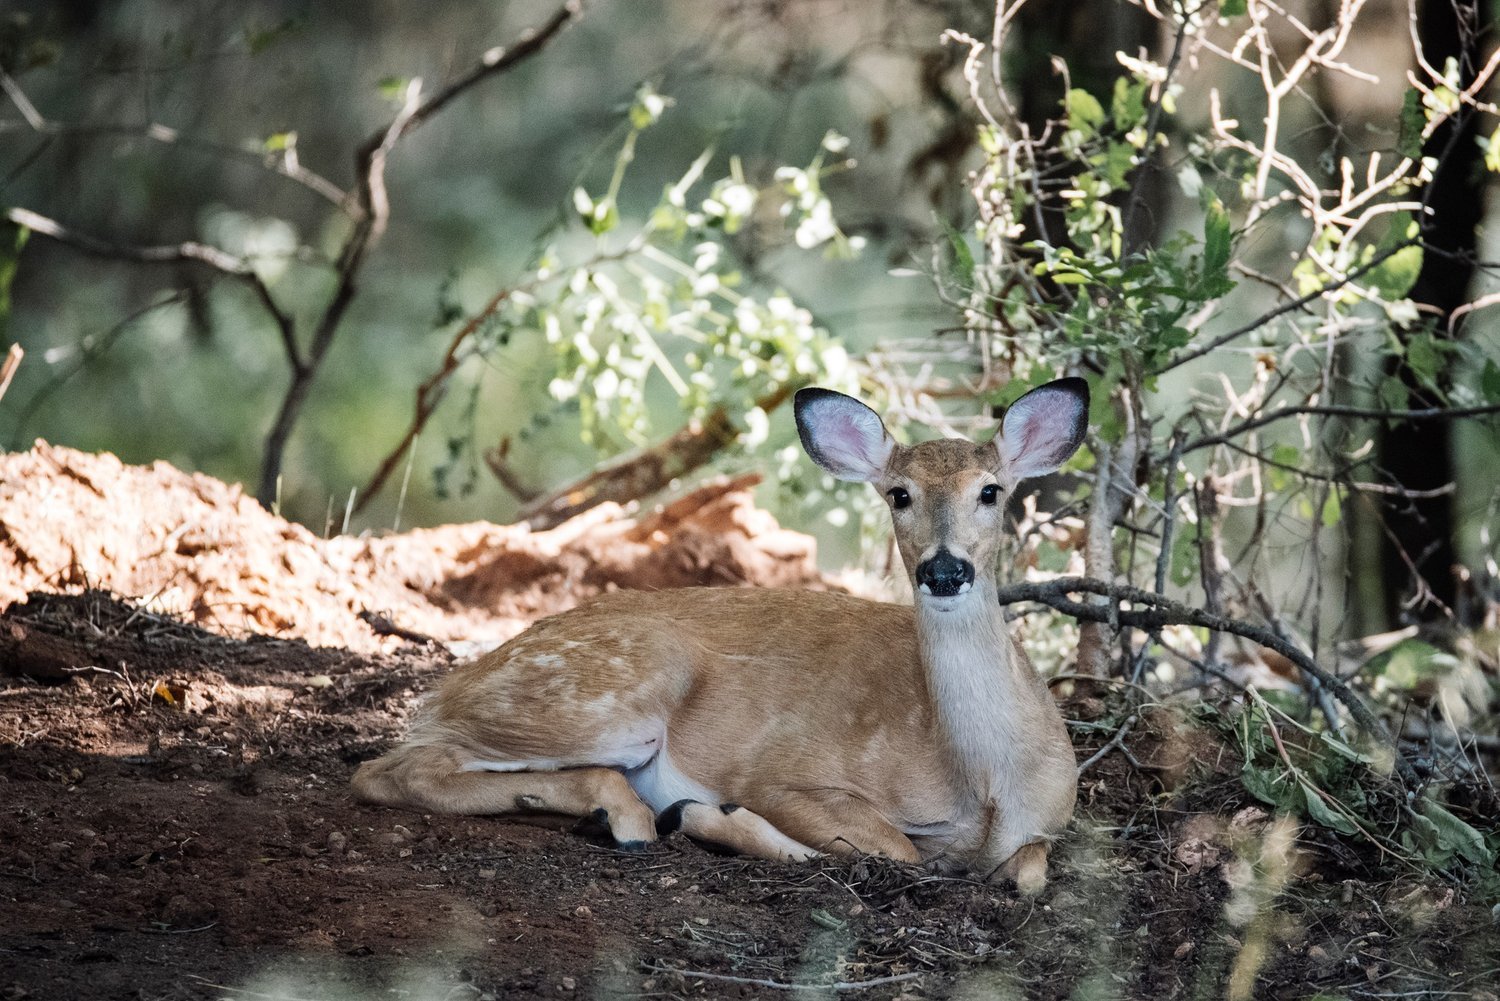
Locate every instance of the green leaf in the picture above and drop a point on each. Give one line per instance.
(1319, 812)
(1185, 559)
(1269, 786)
(1413, 120)
(280, 141)
(1085, 113)
(1411, 664)
(1216, 236)
(1233, 8)
(1455, 835)
(393, 88)
(1128, 106)
(1394, 276)
(1489, 381)
(963, 257)
(1332, 510)
(1392, 393)
(1424, 356)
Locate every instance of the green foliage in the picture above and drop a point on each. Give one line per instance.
(12, 242)
(1326, 781)
(636, 304)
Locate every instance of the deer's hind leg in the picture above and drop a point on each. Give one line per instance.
(433, 777)
(837, 822)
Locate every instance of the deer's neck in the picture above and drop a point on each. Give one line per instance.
(982, 696)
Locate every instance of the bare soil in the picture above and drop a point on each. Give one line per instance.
(175, 821)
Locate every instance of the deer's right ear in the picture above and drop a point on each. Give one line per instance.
(842, 435)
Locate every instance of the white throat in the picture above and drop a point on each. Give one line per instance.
(980, 696)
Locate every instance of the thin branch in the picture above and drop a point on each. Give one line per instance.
(1286, 307)
(189, 251)
(1117, 741)
(285, 165)
(429, 395)
(370, 163)
(1163, 611)
(1337, 410)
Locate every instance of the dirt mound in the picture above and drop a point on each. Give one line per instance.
(193, 546)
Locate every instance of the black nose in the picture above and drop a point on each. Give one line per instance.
(945, 574)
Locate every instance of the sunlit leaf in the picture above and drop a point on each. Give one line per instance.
(1085, 113)
(1413, 121)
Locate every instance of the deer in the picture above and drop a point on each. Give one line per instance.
(788, 724)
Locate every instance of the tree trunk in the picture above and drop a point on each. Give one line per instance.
(1418, 551)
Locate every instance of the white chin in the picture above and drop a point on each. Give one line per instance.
(943, 602)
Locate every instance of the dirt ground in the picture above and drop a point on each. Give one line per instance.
(175, 820)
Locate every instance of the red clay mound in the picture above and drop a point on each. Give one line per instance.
(192, 545)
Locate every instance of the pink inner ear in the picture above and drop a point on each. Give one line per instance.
(1041, 431)
(847, 441)
(846, 438)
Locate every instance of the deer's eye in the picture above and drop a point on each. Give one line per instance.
(989, 494)
(899, 498)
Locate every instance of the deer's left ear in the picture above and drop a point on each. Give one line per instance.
(1044, 428)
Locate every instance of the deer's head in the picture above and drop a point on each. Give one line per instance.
(947, 497)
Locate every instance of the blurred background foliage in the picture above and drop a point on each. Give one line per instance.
(1259, 230)
(683, 210)
(476, 198)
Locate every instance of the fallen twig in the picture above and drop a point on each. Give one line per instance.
(777, 985)
(1116, 741)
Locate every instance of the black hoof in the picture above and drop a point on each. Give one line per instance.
(636, 847)
(596, 824)
(669, 821)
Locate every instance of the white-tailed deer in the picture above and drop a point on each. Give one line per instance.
(787, 723)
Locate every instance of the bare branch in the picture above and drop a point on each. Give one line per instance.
(1335, 410)
(1159, 611)
(370, 162)
(429, 395)
(285, 165)
(188, 251)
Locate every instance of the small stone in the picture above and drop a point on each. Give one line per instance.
(855, 910)
(403, 833)
(354, 856)
(337, 841)
(1182, 951)
(488, 873)
(568, 984)
(582, 911)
